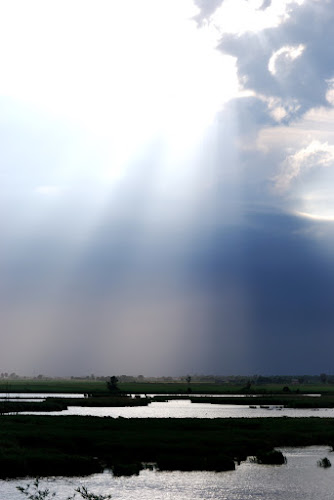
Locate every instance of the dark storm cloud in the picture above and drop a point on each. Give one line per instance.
(269, 290)
(289, 285)
(234, 297)
(272, 254)
(300, 83)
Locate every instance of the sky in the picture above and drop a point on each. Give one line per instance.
(167, 187)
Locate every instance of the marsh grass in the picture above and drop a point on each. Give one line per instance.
(43, 445)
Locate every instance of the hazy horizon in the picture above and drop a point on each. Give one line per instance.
(166, 191)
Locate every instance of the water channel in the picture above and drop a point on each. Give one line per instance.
(183, 408)
(174, 408)
(299, 479)
(35, 396)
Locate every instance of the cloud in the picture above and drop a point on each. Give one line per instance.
(187, 261)
(281, 60)
(330, 91)
(290, 62)
(286, 75)
(315, 155)
(206, 9)
(209, 305)
(265, 4)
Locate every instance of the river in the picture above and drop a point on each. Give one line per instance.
(173, 408)
(184, 408)
(300, 478)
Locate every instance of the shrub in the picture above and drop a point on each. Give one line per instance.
(35, 492)
(273, 457)
(324, 462)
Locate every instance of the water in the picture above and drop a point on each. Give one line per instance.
(34, 396)
(299, 479)
(186, 409)
(313, 395)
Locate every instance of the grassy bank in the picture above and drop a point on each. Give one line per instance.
(52, 386)
(60, 404)
(37, 445)
(288, 401)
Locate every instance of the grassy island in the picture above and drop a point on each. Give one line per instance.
(42, 445)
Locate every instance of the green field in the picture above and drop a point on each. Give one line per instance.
(205, 388)
(53, 385)
(99, 387)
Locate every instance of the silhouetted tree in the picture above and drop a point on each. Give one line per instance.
(112, 384)
(323, 378)
(247, 386)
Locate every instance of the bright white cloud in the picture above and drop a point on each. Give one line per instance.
(317, 204)
(241, 16)
(330, 91)
(282, 58)
(278, 108)
(315, 155)
(304, 154)
(317, 124)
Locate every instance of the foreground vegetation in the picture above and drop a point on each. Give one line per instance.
(33, 491)
(44, 446)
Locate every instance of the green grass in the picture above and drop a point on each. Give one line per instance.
(53, 386)
(99, 387)
(60, 404)
(302, 388)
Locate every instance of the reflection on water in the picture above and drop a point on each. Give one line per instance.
(185, 409)
(300, 478)
(214, 395)
(28, 396)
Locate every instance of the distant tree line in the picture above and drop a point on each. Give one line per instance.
(242, 380)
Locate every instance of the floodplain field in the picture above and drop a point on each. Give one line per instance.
(51, 446)
(52, 404)
(98, 395)
(99, 387)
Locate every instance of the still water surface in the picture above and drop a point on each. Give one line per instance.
(185, 409)
(35, 396)
(299, 479)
